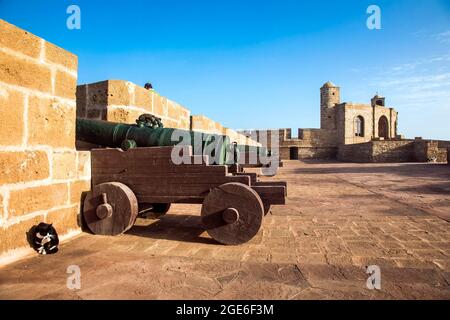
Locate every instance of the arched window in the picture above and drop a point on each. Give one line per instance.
(359, 126)
(383, 127)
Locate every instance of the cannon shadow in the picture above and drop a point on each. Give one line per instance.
(177, 227)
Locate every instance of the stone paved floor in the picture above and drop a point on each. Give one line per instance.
(339, 219)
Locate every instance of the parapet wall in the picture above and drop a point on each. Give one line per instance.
(204, 124)
(123, 102)
(393, 151)
(378, 151)
(310, 144)
(42, 176)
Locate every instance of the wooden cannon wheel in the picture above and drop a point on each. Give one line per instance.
(110, 209)
(266, 206)
(232, 213)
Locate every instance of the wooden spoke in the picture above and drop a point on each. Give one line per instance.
(232, 213)
(110, 209)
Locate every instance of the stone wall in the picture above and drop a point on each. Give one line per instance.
(429, 150)
(347, 114)
(443, 144)
(330, 96)
(42, 176)
(124, 101)
(310, 144)
(393, 151)
(361, 152)
(384, 151)
(417, 150)
(308, 153)
(346, 117)
(204, 124)
(318, 137)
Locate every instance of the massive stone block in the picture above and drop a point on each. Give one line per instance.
(34, 199)
(76, 190)
(11, 117)
(51, 122)
(57, 55)
(65, 85)
(97, 95)
(66, 219)
(24, 73)
(81, 95)
(64, 165)
(159, 105)
(123, 115)
(143, 98)
(120, 93)
(19, 40)
(84, 165)
(23, 166)
(15, 236)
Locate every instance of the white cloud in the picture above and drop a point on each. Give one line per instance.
(418, 86)
(443, 37)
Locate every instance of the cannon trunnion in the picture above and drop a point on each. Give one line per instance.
(145, 179)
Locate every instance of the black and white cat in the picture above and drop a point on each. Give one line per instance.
(45, 239)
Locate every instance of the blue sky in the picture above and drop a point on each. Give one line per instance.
(260, 64)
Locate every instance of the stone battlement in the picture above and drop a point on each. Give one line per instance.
(42, 175)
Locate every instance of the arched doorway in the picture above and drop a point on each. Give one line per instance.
(293, 153)
(359, 126)
(383, 127)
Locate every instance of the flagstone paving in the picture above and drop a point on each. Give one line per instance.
(339, 219)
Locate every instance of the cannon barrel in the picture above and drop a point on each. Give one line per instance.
(115, 135)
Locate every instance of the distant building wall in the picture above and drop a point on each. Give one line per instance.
(347, 115)
(330, 96)
(393, 151)
(378, 151)
(340, 124)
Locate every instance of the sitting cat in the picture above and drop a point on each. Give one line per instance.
(45, 239)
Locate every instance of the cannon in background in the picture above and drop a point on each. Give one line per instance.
(142, 177)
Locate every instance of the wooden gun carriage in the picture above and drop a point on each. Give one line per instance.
(126, 183)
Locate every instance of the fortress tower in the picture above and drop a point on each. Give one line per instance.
(330, 96)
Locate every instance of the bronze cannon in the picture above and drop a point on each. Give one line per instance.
(142, 178)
